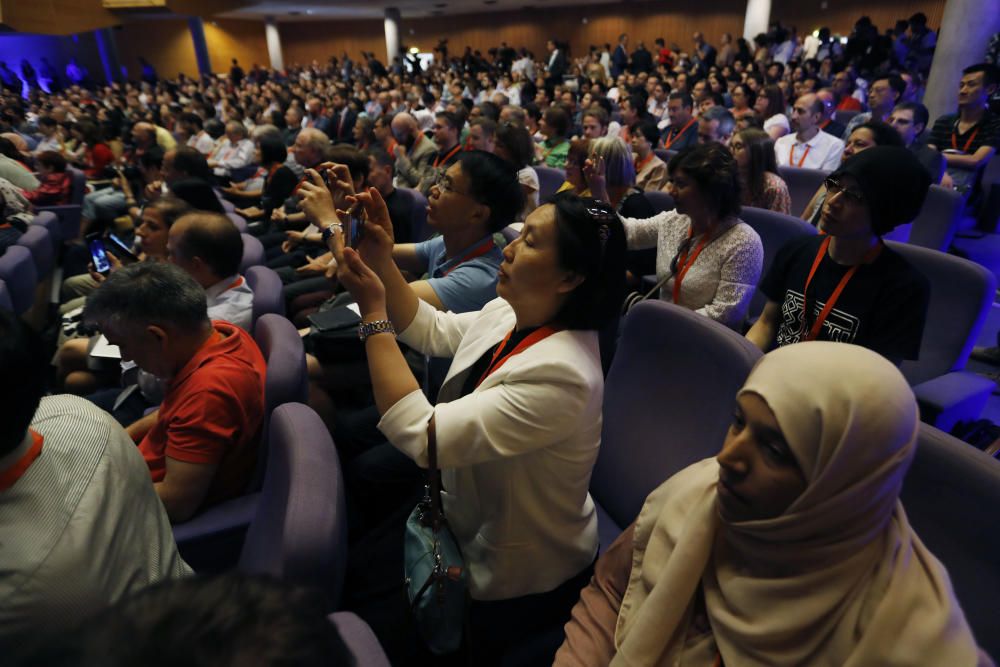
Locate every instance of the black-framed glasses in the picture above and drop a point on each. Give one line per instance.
(834, 186)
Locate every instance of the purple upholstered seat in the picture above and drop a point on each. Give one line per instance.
(951, 494)
(238, 220)
(38, 241)
(802, 185)
(5, 302)
(69, 214)
(300, 531)
(17, 270)
(668, 402)
(661, 201)
(253, 252)
(267, 291)
(550, 180)
(939, 218)
(49, 221)
(360, 640)
(418, 214)
(775, 230)
(962, 293)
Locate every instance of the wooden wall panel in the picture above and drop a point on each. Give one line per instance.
(305, 41)
(165, 43)
(840, 15)
(231, 38)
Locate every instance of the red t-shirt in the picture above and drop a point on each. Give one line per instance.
(97, 158)
(212, 413)
(848, 103)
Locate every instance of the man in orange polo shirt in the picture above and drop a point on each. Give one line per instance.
(203, 447)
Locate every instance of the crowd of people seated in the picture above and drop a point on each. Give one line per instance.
(455, 246)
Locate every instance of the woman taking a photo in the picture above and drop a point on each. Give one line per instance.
(517, 423)
(760, 183)
(707, 260)
(788, 548)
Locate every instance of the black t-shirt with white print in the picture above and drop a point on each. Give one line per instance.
(882, 308)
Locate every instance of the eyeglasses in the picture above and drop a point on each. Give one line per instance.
(834, 186)
(444, 185)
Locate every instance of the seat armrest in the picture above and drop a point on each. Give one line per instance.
(212, 540)
(953, 397)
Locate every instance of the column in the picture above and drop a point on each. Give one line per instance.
(757, 19)
(273, 38)
(966, 29)
(392, 19)
(197, 29)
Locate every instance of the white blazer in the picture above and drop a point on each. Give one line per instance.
(516, 454)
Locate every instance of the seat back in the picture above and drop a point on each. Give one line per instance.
(951, 494)
(5, 302)
(282, 348)
(845, 116)
(79, 186)
(775, 230)
(668, 401)
(665, 154)
(359, 639)
(661, 201)
(509, 233)
(253, 253)
(418, 214)
(961, 295)
(239, 174)
(936, 224)
(239, 221)
(17, 269)
(267, 291)
(300, 531)
(227, 206)
(550, 180)
(50, 221)
(38, 241)
(802, 185)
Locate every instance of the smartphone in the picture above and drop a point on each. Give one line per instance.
(99, 255)
(121, 250)
(354, 226)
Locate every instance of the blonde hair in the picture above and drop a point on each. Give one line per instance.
(618, 161)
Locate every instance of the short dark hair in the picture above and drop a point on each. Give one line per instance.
(22, 379)
(152, 157)
(895, 82)
(648, 129)
(215, 128)
(148, 293)
(197, 194)
(590, 240)
(713, 169)
(885, 134)
(47, 121)
(727, 122)
(453, 120)
(272, 149)
(600, 114)
(921, 115)
(493, 183)
(557, 118)
(192, 163)
(517, 140)
(381, 157)
(991, 73)
(685, 98)
(190, 118)
(488, 124)
(215, 239)
(199, 621)
(354, 159)
(53, 160)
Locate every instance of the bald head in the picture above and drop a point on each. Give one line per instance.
(310, 147)
(17, 140)
(206, 245)
(144, 134)
(404, 126)
(807, 114)
(828, 100)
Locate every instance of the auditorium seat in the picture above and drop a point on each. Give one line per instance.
(665, 154)
(549, 182)
(418, 216)
(299, 533)
(938, 221)
(775, 230)
(360, 640)
(962, 293)
(951, 495)
(50, 222)
(240, 174)
(668, 402)
(661, 201)
(239, 221)
(802, 185)
(69, 214)
(39, 243)
(253, 253)
(267, 291)
(5, 302)
(17, 270)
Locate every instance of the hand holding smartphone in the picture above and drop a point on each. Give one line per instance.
(99, 254)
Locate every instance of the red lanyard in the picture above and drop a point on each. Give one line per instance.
(639, 166)
(438, 161)
(478, 251)
(686, 264)
(9, 476)
(540, 334)
(954, 139)
(818, 324)
(235, 283)
(791, 156)
(671, 137)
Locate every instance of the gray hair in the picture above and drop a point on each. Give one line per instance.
(618, 161)
(727, 123)
(148, 293)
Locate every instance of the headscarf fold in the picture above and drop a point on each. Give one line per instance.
(839, 578)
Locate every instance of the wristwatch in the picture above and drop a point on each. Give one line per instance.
(367, 329)
(328, 231)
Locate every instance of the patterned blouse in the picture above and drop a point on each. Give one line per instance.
(775, 196)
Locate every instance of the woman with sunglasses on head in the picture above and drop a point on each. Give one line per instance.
(846, 285)
(863, 137)
(707, 260)
(788, 548)
(517, 423)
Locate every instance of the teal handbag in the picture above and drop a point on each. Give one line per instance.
(436, 577)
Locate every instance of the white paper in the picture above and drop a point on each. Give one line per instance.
(105, 350)
(354, 307)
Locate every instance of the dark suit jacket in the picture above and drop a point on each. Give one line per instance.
(340, 130)
(559, 66)
(619, 60)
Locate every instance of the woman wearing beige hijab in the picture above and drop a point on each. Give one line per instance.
(791, 546)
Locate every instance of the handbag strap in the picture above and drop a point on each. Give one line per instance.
(434, 481)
